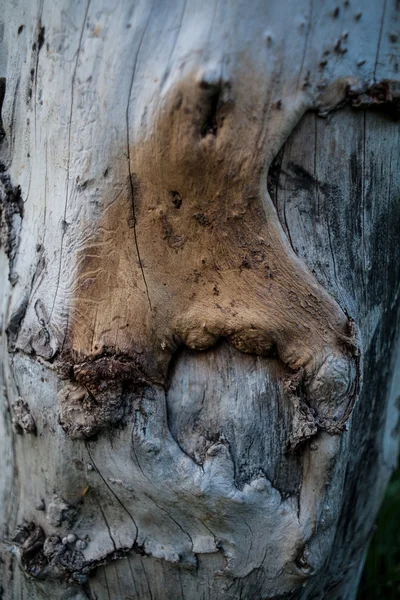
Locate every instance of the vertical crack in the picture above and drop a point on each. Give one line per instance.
(315, 162)
(112, 491)
(305, 45)
(132, 192)
(107, 525)
(363, 198)
(132, 575)
(379, 39)
(39, 43)
(337, 283)
(106, 580)
(172, 519)
(147, 579)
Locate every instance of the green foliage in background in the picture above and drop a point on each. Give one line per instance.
(381, 576)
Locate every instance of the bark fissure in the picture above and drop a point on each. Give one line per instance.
(39, 43)
(380, 37)
(309, 25)
(128, 152)
(166, 512)
(107, 525)
(111, 490)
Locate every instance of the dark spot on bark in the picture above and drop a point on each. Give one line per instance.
(20, 29)
(197, 275)
(2, 91)
(15, 323)
(393, 38)
(338, 48)
(30, 538)
(2, 94)
(394, 433)
(40, 340)
(88, 183)
(217, 101)
(23, 420)
(176, 199)
(202, 219)
(303, 174)
(336, 12)
(41, 264)
(40, 39)
(210, 124)
(179, 97)
(302, 563)
(11, 214)
(306, 81)
(174, 240)
(273, 176)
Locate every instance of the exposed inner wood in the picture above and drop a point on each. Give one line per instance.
(214, 261)
(181, 357)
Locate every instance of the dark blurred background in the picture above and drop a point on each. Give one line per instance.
(381, 576)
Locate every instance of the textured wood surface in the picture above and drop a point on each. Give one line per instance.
(179, 478)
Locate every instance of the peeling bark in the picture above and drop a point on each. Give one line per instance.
(200, 327)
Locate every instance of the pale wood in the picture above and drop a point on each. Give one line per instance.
(208, 260)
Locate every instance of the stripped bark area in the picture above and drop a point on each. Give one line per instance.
(195, 296)
(197, 290)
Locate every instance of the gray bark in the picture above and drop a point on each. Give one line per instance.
(221, 459)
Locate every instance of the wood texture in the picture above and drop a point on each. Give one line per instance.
(200, 275)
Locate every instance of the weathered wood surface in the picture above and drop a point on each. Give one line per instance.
(117, 120)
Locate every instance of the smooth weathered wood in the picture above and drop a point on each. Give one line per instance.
(202, 279)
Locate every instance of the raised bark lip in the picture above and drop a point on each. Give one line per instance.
(382, 95)
(105, 370)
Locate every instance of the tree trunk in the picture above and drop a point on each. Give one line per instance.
(199, 225)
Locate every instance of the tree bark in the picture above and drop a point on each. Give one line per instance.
(200, 319)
